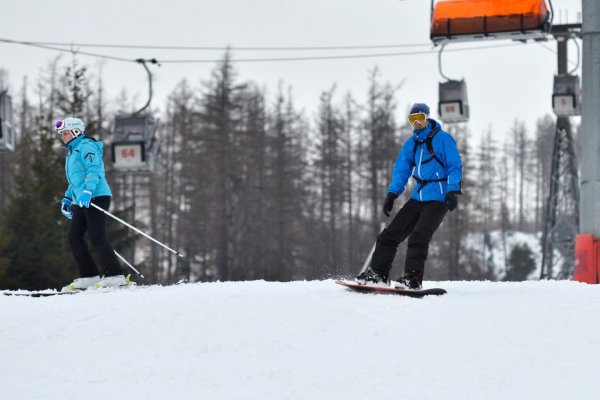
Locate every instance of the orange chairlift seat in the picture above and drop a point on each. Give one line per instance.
(477, 19)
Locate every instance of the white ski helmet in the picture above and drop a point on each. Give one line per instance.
(74, 125)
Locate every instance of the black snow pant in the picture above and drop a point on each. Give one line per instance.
(416, 220)
(94, 222)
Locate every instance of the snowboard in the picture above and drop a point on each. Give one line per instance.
(390, 290)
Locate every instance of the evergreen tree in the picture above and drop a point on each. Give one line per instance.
(285, 178)
(220, 119)
(178, 211)
(34, 248)
(331, 169)
(521, 263)
(381, 148)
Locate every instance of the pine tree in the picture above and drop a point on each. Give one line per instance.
(381, 148)
(34, 249)
(521, 263)
(332, 173)
(220, 118)
(181, 195)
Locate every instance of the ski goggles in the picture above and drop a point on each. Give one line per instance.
(417, 117)
(59, 126)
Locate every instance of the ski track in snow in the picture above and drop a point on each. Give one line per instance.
(304, 340)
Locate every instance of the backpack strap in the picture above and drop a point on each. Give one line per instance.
(425, 182)
(429, 143)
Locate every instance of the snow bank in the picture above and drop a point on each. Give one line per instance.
(304, 340)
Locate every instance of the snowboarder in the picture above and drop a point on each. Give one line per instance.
(433, 160)
(84, 169)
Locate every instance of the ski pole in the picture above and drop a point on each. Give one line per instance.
(368, 260)
(129, 265)
(136, 229)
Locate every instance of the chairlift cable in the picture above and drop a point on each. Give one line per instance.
(578, 57)
(338, 57)
(555, 52)
(268, 59)
(234, 48)
(33, 44)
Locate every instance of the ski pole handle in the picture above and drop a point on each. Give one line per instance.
(136, 229)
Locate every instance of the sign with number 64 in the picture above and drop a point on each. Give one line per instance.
(128, 155)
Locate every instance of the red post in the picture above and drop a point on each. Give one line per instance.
(587, 250)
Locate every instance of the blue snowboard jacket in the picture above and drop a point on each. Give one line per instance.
(84, 168)
(433, 180)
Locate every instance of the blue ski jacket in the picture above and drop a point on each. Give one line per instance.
(435, 174)
(84, 168)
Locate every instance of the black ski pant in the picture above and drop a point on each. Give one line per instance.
(93, 222)
(416, 220)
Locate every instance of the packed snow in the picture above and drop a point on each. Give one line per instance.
(304, 340)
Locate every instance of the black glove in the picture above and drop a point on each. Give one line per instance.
(388, 204)
(452, 200)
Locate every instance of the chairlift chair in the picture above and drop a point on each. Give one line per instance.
(131, 143)
(453, 103)
(7, 134)
(566, 95)
(133, 147)
(466, 20)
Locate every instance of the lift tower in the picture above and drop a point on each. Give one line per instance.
(561, 214)
(587, 245)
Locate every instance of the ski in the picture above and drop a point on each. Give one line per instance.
(52, 292)
(41, 293)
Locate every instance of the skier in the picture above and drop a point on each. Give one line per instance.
(432, 158)
(84, 168)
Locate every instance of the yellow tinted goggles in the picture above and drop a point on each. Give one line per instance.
(418, 117)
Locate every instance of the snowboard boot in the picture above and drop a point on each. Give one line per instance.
(372, 278)
(411, 280)
(81, 284)
(115, 281)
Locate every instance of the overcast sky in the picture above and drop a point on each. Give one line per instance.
(503, 82)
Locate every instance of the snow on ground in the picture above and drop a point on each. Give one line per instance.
(304, 340)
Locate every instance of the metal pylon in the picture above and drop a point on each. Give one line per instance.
(561, 222)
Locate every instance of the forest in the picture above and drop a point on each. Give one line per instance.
(248, 186)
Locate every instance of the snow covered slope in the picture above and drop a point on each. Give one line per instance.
(304, 340)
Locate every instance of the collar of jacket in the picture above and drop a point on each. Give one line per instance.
(73, 143)
(422, 133)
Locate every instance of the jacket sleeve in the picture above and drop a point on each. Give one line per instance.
(93, 164)
(453, 164)
(402, 168)
(69, 193)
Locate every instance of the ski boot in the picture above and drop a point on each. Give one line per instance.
(411, 280)
(372, 278)
(115, 281)
(80, 284)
